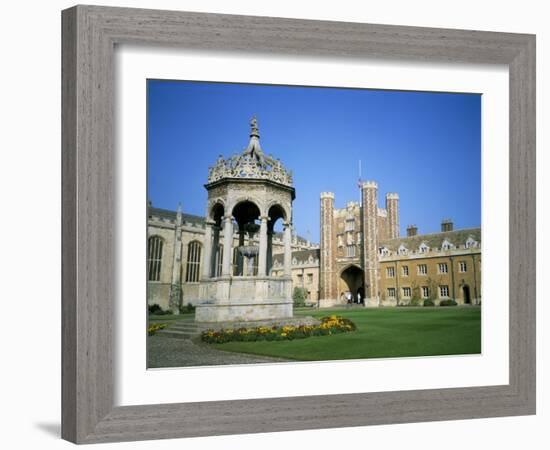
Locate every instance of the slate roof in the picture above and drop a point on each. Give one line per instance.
(302, 256)
(433, 240)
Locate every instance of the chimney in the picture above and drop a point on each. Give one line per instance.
(446, 225)
(412, 230)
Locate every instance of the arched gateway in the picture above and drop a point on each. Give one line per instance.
(352, 281)
(247, 194)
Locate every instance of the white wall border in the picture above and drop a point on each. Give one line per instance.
(135, 385)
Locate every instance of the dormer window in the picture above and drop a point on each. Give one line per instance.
(423, 248)
(384, 251)
(471, 243)
(446, 245)
(402, 250)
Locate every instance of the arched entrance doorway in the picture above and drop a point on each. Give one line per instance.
(351, 280)
(466, 295)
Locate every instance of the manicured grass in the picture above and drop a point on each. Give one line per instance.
(381, 332)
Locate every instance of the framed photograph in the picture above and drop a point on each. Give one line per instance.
(335, 219)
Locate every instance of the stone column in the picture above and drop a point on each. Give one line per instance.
(176, 267)
(207, 264)
(215, 251)
(288, 250)
(262, 254)
(240, 258)
(227, 245)
(175, 286)
(269, 259)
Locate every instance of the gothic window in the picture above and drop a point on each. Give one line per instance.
(350, 225)
(390, 272)
(422, 269)
(406, 292)
(391, 292)
(154, 257)
(192, 274)
(425, 292)
(462, 267)
(405, 271)
(442, 268)
(350, 251)
(443, 291)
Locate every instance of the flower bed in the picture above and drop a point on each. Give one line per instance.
(328, 326)
(152, 329)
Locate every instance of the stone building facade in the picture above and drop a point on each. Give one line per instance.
(363, 256)
(438, 266)
(166, 269)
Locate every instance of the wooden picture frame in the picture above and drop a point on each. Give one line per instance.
(90, 34)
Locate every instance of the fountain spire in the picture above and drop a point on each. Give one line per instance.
(254, 150)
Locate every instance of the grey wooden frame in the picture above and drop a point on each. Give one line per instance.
(89, 34)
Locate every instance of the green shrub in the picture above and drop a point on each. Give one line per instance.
(299, 296)
(154, 308)
(449, 302)
(429, 302)
(189, 308)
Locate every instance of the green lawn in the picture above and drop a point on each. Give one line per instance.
(381, 333)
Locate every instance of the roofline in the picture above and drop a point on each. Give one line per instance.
(430, 234)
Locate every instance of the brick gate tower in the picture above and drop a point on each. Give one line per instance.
(369, 218)
(327, 270)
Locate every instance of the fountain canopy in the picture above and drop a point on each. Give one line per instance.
(252, 163)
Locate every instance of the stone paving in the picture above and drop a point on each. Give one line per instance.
(163, 351)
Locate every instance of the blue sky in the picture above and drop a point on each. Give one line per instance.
(424, 146)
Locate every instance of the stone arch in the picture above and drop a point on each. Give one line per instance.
(245, 209)
(351, 279)
(216, 211)
(245, 198)
(277, 205)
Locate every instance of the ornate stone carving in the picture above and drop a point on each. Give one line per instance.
(252, 163)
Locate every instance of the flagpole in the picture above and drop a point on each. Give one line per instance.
(359, 184)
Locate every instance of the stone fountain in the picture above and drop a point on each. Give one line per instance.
(250, 251)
